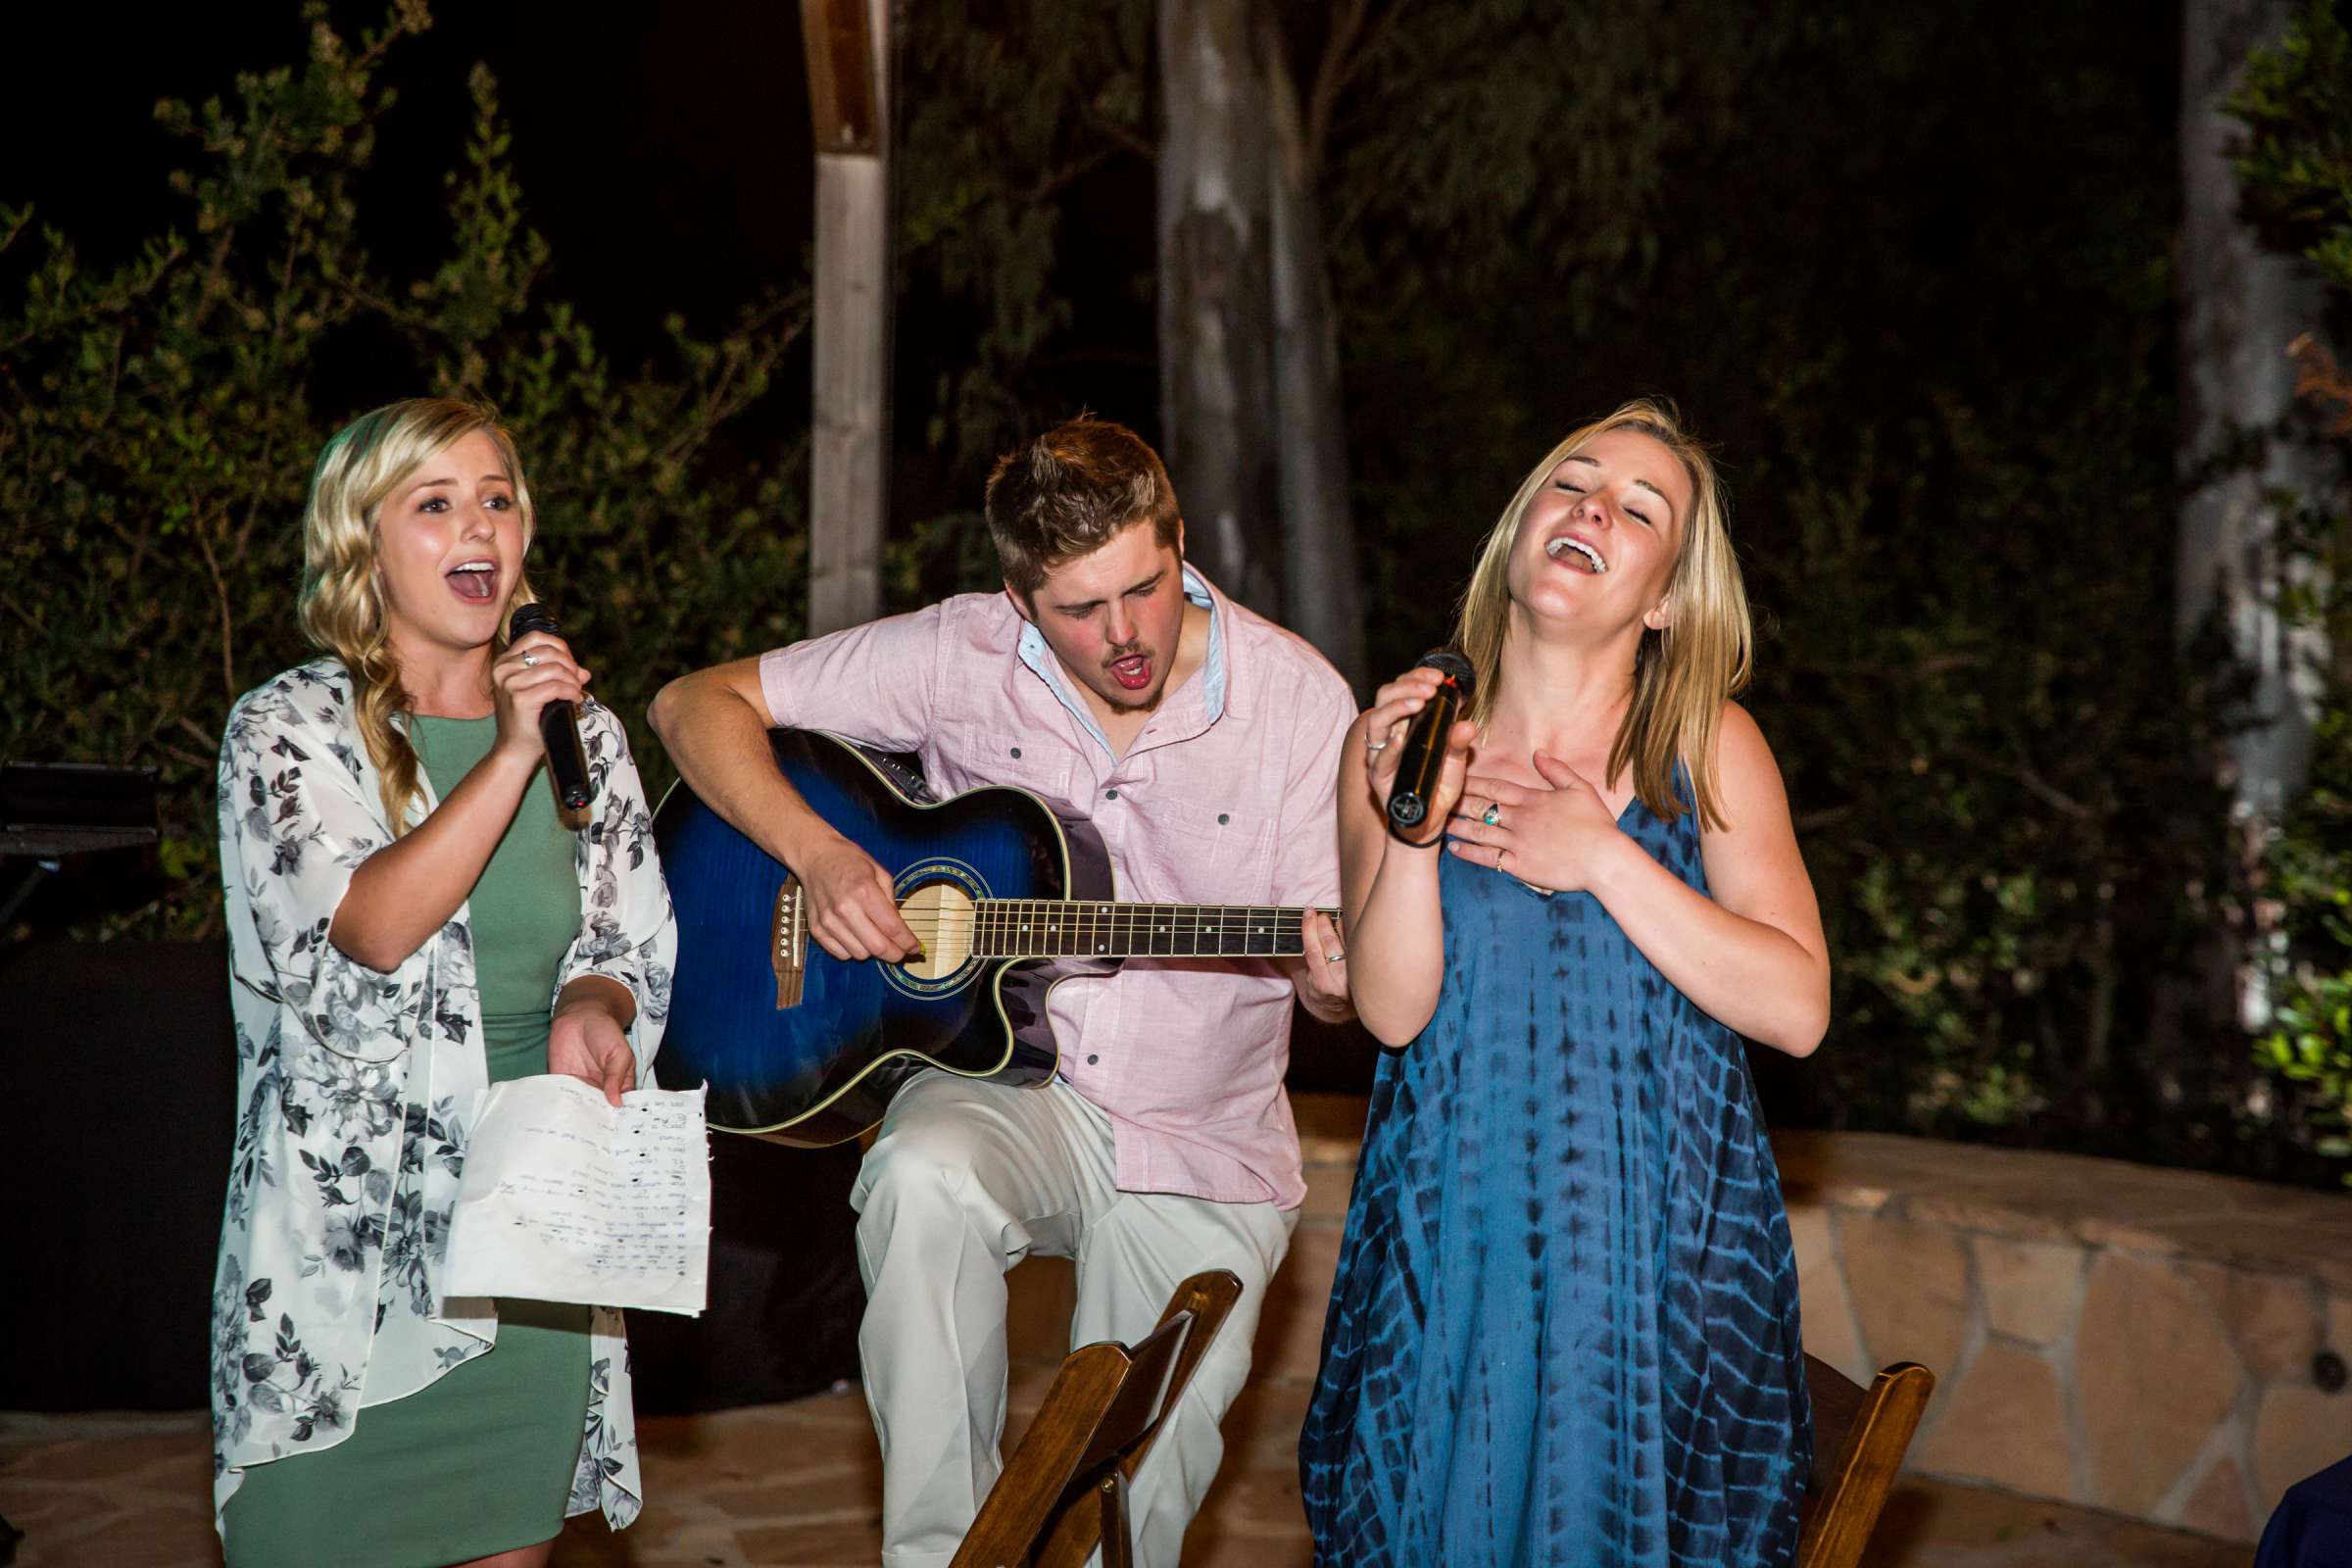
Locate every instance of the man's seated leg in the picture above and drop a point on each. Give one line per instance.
(1130, 1261)
(965, 1181)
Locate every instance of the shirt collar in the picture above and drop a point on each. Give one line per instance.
(1039, 656)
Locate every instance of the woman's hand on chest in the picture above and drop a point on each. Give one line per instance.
(1553, 831)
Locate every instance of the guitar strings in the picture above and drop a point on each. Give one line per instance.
(1057, 922)
(1001, 914)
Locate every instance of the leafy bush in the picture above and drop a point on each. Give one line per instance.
(2311, 862)
(159, 420)
(2296, 103)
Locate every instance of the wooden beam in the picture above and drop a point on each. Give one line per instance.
(838, 37)
(849, 88)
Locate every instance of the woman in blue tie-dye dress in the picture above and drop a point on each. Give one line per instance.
(1564, 1328)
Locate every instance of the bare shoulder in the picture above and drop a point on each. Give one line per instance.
(1747, 779)
(1739, 741)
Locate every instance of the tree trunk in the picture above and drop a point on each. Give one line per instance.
(2240, 307)
(1216, 322)
(1325, 598)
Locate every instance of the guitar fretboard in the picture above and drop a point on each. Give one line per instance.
(1051, 929)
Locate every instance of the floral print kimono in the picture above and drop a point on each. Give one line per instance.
(355, 1088)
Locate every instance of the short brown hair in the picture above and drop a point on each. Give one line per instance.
(1063, 494)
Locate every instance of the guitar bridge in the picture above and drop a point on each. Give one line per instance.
(788, 944)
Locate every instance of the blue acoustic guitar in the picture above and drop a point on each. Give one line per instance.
(1006, 899)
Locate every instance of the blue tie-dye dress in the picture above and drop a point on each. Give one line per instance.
(1564, 1328)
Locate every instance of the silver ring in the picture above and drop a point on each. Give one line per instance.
(1335, 958)
(1494, 815)
(1375, 746)
(529, 659)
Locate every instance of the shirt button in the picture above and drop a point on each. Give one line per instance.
(1017, 751)
(1222, 819)
(1091, 1060)
(1110, 795)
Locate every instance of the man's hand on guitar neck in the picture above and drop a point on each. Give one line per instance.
(1321, 974)
(853, 908)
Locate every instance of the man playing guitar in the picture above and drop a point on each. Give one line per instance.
(1202, 742)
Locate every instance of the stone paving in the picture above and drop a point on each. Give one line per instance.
(798, 1486)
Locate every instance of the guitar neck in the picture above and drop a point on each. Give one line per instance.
(1054, 928)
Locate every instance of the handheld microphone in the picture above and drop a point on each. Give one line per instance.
(558, 725)
(1423, 758)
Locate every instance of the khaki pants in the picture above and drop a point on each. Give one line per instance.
(968, 1179)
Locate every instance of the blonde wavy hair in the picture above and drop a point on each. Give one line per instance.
(1684, 674)
(342, 604)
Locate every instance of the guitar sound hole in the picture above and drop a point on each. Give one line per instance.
(941, 917)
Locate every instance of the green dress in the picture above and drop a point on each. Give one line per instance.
(480, 1460)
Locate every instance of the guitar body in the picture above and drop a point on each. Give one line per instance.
(804, 1047)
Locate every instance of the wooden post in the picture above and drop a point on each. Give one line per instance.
(847, 45)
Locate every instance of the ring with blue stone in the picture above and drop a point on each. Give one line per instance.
(1494, 815)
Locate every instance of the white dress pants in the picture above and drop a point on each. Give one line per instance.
(968, 1179)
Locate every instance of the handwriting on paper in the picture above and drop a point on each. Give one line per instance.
(566, 1197)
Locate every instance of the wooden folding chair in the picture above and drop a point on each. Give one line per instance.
(1065, 1489)
(1859, 1436)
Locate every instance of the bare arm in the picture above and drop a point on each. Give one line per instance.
(1395, 927)
(406, 891)
(716, 722)
(1749, 951)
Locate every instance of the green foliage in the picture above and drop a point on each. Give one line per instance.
(2297, 167)
(1063, 91)
(1475, 136)
(2308, 860)
(2295, 102)
(2311, 861)
(159, 420)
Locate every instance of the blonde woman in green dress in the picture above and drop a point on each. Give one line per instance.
(410, 921)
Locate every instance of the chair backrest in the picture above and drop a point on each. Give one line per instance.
(1208, 1297)
(1859, 1436)
(1093, 1429)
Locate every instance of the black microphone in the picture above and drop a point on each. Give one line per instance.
(558, 723)
(1424, 756)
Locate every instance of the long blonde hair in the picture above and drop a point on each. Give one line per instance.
(342, 604)
(1684, 674)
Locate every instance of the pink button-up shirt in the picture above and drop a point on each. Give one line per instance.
(1227, 796)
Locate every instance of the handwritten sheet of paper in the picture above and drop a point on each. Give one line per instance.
(566, 1198)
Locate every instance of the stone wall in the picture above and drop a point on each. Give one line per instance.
(2112, 1334)
(2138, 1340)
